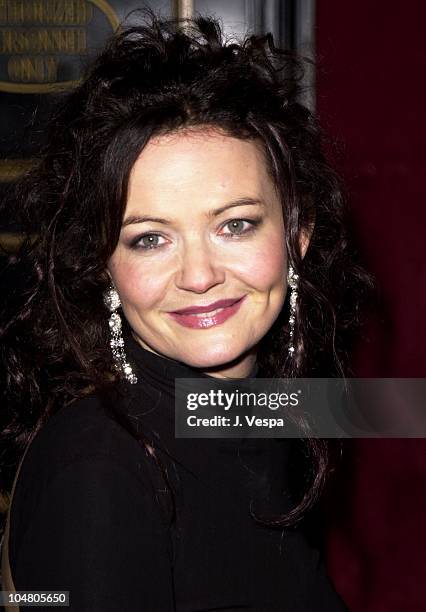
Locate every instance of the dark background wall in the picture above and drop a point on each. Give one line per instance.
(371, 96)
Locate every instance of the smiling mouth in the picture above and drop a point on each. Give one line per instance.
(210, 313)
(205, 320)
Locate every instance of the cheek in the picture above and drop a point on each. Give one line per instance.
(137, 287)
(265, 266)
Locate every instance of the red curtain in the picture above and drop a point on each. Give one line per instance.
(372, 99)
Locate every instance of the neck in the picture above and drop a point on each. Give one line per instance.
(239, 368)
(242, 367)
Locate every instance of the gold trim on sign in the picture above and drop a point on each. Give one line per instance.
(108, 11)
(4, 501)
(12, 169)
(42, 88)
(10, 242)
(30, 88)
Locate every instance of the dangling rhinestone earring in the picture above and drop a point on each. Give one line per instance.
(112, 302)
(292, 280)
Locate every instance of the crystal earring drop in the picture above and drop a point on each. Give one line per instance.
(292, 280)
(112, 302)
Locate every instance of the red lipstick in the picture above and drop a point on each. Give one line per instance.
(207, 307)
(203, 317)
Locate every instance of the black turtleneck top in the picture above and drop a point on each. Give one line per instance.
(92, 514)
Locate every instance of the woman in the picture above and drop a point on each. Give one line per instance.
(182, 175)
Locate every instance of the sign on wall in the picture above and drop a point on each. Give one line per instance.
(46, 44)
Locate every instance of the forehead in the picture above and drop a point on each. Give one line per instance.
(201, 165)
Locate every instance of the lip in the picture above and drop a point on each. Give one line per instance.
(207, 307)
(195, 321)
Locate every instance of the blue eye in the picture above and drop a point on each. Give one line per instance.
(237, 227)
(150, 240)
(147, 242)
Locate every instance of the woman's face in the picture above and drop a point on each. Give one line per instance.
(203, 223)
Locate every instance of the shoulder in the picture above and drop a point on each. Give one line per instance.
(82, 458)
(84, 490)
(81, 432)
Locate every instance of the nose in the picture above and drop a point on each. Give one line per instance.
(200, 267)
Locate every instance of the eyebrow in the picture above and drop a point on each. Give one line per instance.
(211, 213)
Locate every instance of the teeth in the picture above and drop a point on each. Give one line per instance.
(203, 315)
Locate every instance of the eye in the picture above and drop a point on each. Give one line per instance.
(147, 242)
(238, 229)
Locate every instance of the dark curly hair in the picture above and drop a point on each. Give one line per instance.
(155, 78)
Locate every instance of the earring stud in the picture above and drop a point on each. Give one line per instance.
(293, 280)
(112, 302)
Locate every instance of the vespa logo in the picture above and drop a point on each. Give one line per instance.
(43, 43)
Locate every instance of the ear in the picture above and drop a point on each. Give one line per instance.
(304, 239)
(109, 277)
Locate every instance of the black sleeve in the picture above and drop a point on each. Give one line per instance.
(97, 533)
(323, 596)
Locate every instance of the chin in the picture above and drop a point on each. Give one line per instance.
(213, 355)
